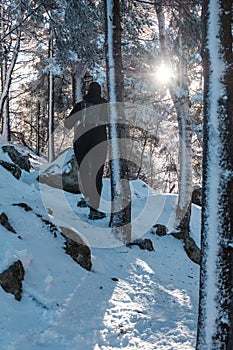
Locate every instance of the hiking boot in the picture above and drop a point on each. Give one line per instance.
(82, 203)
(96, 214)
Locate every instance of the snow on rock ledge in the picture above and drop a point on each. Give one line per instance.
(62, 173)
(22, 161)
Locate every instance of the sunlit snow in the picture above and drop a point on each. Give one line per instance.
(131, 299)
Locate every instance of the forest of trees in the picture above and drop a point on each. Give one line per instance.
(51, 50)
(156, 53)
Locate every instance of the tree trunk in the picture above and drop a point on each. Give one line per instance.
(183, 211)
(78, 73)
(6, 121)
(51, 153)
(120, 188)
(6, 76)
(180, 97)
(215, 323)
(38, 128)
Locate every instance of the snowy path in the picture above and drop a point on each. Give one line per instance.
(131, 299)
(150, 304)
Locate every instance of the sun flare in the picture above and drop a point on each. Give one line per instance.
(163, 74)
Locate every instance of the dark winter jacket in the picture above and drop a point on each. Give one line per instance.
(89, 113)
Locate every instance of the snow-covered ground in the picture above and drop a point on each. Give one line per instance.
(131, 298)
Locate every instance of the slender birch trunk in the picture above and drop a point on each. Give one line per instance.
(120, 188)
(215, 323)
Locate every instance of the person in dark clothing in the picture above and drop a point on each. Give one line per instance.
(89, 119)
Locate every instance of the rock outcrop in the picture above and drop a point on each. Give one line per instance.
(159, 230)
(192, 250)
(4, 221)
(22, 161)
(144, 244)
(76, 248)
(11, 279)
(62, 173)
(12, 168)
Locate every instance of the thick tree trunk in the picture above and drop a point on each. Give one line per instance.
(215, 323)
(120, 188)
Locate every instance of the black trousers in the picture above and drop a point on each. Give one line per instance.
(90, 150)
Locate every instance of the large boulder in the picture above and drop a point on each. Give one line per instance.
(62, 173)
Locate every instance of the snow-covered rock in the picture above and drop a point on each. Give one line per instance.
(12, 168)
(21, 160)
(62, 173)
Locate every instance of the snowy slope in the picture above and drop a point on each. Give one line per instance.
(131, 299)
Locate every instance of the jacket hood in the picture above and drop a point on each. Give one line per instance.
(94, 89)
(94, 94)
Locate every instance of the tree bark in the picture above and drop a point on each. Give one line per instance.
(180, 96)
(6, 76)
(78, 73)
(215, 322)
(120, 188)
(6, 134)
(51, 152)
(38, 112)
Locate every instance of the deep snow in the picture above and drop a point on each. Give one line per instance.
(131, 299)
